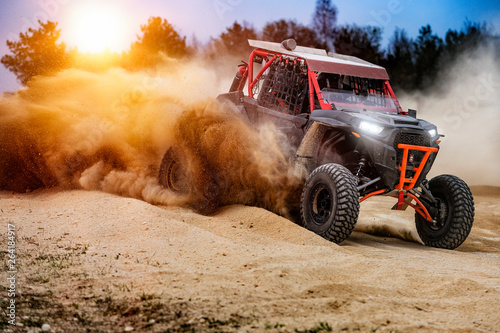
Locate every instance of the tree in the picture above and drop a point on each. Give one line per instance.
(323, 22)
(231, 47)
(37, 53)
(470, 37)
(400, 61)
(235, 39)
(428, 50)
(280, 30)
(158, 37)
(361, 42)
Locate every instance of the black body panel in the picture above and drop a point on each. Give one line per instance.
(382, 149)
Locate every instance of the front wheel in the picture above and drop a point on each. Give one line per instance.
(330, 202)
(454, 213)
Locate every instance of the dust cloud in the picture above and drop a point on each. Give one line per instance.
(109, 132)
(466, 109)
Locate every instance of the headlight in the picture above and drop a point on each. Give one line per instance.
(433, 132)
(370, 127)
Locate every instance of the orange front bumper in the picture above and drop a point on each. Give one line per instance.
(408, 183)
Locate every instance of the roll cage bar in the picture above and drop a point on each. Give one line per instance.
(247, 71)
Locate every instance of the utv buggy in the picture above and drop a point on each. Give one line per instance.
(352, 137)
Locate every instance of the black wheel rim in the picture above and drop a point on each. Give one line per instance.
(442, 216)
(321, 203)
(176, 177)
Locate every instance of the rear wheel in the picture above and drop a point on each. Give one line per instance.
(453, 213)
(174, 171)
(186, 176)
(330, 202)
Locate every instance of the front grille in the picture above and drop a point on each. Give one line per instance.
(411, 139)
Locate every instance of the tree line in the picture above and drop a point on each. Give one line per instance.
(412, 64)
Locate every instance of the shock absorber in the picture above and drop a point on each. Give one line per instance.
(240, 78)
(361, 167)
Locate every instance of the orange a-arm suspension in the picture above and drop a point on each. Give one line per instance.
(419, 207)
(403, 199)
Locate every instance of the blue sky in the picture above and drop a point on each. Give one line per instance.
(208, 18)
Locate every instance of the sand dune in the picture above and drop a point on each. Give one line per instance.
(96, 261)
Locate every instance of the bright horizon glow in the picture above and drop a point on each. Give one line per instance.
(96, 27)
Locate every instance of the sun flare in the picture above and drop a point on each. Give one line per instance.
(96, 27)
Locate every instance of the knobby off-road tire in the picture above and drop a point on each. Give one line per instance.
(187, 177)
(454, 222)
(173, 173)
(330, 202)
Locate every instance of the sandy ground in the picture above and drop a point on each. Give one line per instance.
(96, 262)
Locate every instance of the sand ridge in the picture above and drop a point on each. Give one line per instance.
(243, 268)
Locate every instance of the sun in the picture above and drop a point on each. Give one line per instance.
(96, 27)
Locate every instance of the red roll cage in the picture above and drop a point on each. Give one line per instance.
(315, 63)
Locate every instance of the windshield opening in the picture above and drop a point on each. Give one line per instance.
(355, 93)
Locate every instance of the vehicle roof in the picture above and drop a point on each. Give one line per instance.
(319, 60)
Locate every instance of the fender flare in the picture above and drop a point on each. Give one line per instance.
(310, 145)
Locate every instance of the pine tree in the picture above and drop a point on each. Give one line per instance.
(37, 52)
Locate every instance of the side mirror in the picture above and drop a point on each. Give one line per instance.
(412, 113)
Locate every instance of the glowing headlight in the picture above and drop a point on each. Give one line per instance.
(433, 132)
(370, 127)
